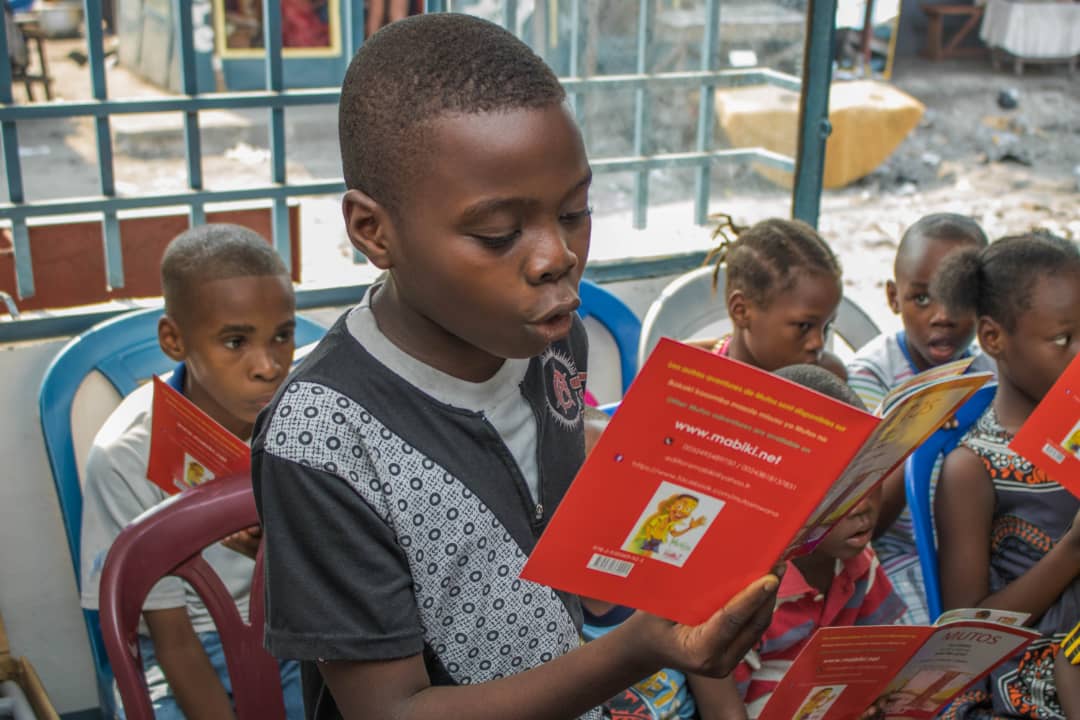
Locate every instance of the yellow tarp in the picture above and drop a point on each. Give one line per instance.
(869, 120)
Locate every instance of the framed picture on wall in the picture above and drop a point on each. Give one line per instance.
(309, 28)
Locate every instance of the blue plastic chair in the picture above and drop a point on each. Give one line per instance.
(619, 320)
(917, 473)
(125, 351)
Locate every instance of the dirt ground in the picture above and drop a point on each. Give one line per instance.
(1011, 169)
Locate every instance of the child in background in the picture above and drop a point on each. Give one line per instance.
(408, 466)
(228, 322)
(783, 288)
(840, 583)
(1009, 536)
(931, 335)
(668, 694)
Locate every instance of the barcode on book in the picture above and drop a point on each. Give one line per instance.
(1053, 453)
(610, 565)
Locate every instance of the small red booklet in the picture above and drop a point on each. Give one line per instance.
(915, 670)
(187, 446)
(1050, 438)
(711, 471)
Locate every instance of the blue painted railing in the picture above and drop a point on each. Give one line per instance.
(808, 165)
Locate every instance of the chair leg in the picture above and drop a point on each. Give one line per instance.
(933, 37)
(46, 80)
(962, 33)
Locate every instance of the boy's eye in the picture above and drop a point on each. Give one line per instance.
(922, 300)
(283, 337)
(1063, 340)
(233, 343)
(575, 217)
(804, 327)
(498, 241)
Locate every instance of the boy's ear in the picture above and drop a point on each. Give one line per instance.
(892, 296)
(991, 336)
(369, 227)
(170, 339)
(738, 309)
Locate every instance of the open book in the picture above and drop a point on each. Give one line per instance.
(915, 670)
(712, 470)
(187, 446)
(1050, 438)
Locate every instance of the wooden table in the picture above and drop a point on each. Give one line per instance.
(936, 47)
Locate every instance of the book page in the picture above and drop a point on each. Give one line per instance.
(907, 426)
(1050, 438)
(842, 671)
(952, 658)
(187, 446)
(938, 372)
(698, 484)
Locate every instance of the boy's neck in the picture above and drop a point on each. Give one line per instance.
(736, 349)
(421, 338)
(817, 569)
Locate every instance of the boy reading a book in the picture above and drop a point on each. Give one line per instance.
(839, 583)
(228, 322)
(410, 463)
(931, 336)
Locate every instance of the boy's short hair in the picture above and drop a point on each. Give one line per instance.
(941, 226)
(213, 252)
(818, 378)
(419, 69)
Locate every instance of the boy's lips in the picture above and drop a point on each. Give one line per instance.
(555, 324)
(941, 349)
(860, 538)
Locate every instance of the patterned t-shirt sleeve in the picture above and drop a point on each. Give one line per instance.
(869, 374)
(337, 583)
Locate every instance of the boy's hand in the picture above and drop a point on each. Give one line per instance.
(716, 646)
(246, 542)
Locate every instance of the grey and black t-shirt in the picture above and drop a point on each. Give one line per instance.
(398, 507)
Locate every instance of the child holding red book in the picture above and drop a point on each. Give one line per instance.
(840, 583)
(1009, 536)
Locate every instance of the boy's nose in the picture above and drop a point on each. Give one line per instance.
(551, 257)
(939, 315)
(265, 365)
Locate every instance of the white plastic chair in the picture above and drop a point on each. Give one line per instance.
(689, 308)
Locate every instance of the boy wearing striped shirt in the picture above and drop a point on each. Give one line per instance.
(931, 336)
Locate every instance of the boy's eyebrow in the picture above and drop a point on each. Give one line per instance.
(491, 205)
(238, 328)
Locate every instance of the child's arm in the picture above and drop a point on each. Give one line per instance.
(567, 686)
(717, 698)
(964, 508)
(893, 501)
(194, 683)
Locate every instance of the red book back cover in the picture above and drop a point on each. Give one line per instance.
(1050, 438)
(187, 446)
(697, 486)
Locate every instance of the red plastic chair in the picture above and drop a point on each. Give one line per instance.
(169, 541)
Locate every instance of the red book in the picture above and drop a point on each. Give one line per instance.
(711, 471)
(187, 446)
(1050, 438)
(915, 670)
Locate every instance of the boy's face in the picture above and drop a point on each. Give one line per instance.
(236, 337)
(849, 536)
(491, 241)
(934, 335)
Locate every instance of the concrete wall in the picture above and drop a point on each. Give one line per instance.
(38, 597)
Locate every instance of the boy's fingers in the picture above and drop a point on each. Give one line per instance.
(742, 621)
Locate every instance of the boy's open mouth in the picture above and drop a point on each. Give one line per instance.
(941, 349)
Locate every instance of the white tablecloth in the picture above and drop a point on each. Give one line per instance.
(1032, 29)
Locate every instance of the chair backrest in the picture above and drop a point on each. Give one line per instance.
(689, 307)
(917, 475)
(169, 540)
(119, 354)
(619, 320)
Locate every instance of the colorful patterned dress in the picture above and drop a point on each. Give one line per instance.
(1031, 513)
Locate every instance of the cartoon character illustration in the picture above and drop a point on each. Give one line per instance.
(670, 520)
(818, 702)
(1072, 442)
